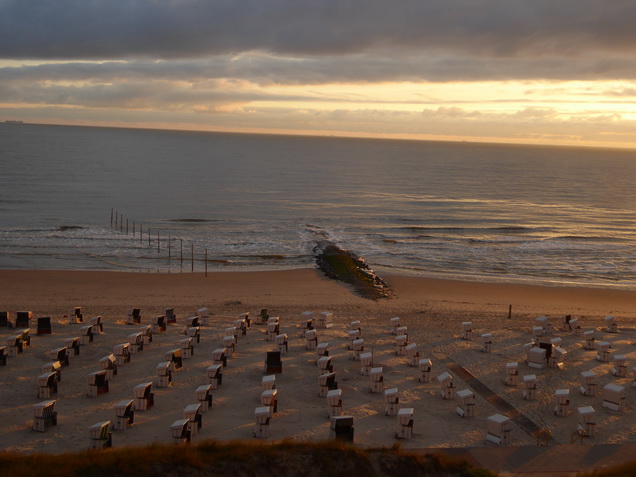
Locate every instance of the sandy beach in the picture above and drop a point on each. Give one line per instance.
(432, 310)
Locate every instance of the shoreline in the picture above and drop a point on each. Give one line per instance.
(433, 310)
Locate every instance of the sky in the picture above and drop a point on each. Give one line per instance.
(517, 71)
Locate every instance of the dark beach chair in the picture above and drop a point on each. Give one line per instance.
(44, 325)
(101, 436)
(23, 319)
(44, 416)
(134, 317)
(5, 319)
(3, 355)
(342, 428)
(170, 316)
(273, 362)
(125, 414)
(97, 383)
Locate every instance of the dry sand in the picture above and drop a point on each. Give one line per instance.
(433, 310)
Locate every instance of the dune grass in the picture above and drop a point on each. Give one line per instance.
(237, 458)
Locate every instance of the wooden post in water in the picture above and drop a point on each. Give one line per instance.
(148, 238)
(111, 217)
(121, 223)
(157, 241)
(126, 226)
(192, 258)
(181, 253)
(206, 262)
(116, 216)
(134, 228)
(169, 254)
(141, 233)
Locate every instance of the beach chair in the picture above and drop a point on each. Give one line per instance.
(134, 317)
(144, 397)
(76, 316)
(589, 340)
(366, 363)
(327, 382)
(215, 375)
(122, 353)
(391, 401)
(187, 348)
(356, 325)
(98, 326)
(97, 383)
(466, 407)
(109, 364)
(281, 341)
(5, 320)
(614, 397)
(170, 316)
(164, 375)
(180, 431)
(204, 316)
(124, 414)
(158, 324)
(136, 343)
(447, 390)
(401, 341)
(194, 332)
(14, 346)
(512, 374)
(620, 366)
(530, 387)
(72, 347)
(269, 397)
(587, 424)
(273, 362)
(486, 342)
(228, 343)
(342, 428)
(603, 351)
(588, 383)
(358, 348)
(268, 382)
(311, 339)
(204, 395)
(175, 358)
(562, 402)
(262, 317)
(352, 335)
(413, 354)
(192, 412)
(334, 399)
(44, 416)
(191, 321)
(565, 323)
(537, 333)
(25, 338)
(425, 365)
(219, 356)
(467, 330)
(536, 357)
(273, 330)
(101, 435)
(575, 327)
(23, 319)
(241, 326)
(44, 325)
(405, 423)
(47, 385)
(307, 322)
(86, 334)
(146, 335)
(325, 319)
(233, 332)
(610, 323)
(395, 324)
(544, 323)
(322, 349)
(499, 428)
(59, 354)
(377, 379)
(324, 364)
(262, 416)
(3, 355)
(557, 357)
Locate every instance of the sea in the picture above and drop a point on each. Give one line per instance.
(158, 201)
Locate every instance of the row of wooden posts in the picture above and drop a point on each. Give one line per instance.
(117, 222)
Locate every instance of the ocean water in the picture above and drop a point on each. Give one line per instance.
(71, 196)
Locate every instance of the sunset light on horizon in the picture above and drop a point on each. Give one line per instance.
(488, 71)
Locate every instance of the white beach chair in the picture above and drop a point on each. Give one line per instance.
(325, 319)
(228, 343)
(109, 364)
(192, 412)
(44, 416)
(512, 374)
(215, 375)
(562, 406)
(311, 339)
(146, 334)
(101, 435)
(614, 397)
(604, 351)
(334, 399)
(544, 323)
(467, 330)
(530, 384)
(268, 382)
(610, 323)
(499, 428)
(377, 380)
(144, 398)
(122, 353)
(413, 354)
(327, 382)
(486, 342)
(269, 397)
(620, 366)
(262, 416)
(97, 383)
(405, 423)
(164, 375)
(322, 349)
(401, 341)
(536, 357)
(425, 366)
(588, 383)
(273, 329)
(395, 324)
(587, 422)
(448, 388)
(204, 395)
(358, 348)
(466, 407)
(366, 363)
(282, 342)
(86, 334)
(324, 365)
(219, 356)
(136, 343)
(589, 340)
(391, 401)
(124, 414)
(187, 348)
(180, 431)
(47, 385)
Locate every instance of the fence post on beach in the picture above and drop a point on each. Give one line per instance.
(111, 217)
(126, 226)
(141, 232)
(192, 258)
(148, 238)
(206, 262)
(181, 262)
(134, 228)
(509, 311)
(169, 254)
(157, 241)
